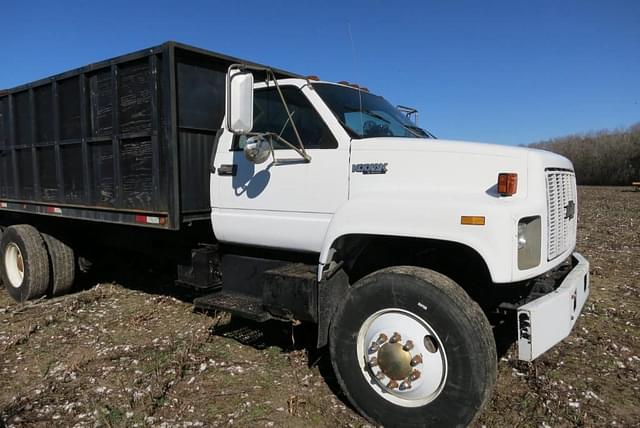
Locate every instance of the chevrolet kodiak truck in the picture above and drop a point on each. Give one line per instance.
(285, 197)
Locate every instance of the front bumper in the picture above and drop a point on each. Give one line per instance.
(545, 321)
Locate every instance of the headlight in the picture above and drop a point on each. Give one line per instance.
(529, 242)
(522, 239)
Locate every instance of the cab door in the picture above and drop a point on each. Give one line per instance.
(284, 204)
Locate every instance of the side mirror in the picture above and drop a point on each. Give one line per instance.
(257, 149)
(239, 101)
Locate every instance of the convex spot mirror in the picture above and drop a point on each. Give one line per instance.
(239, 101)
(257, 149)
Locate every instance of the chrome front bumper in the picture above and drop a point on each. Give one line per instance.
(544, 322)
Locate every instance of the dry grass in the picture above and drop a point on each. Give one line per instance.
(115, 356)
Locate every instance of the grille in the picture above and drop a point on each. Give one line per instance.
(561, 230)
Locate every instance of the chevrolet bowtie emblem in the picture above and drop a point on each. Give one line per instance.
(570, 210)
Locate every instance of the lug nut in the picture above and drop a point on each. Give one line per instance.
(395, 338)
(373, 362)
(416, 360)
(380, 376)
(382, 338)
(373, 348)
(415, 375)
(405, 385)
(408, 346)
(392, 384)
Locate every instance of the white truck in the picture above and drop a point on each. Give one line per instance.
(328, 206)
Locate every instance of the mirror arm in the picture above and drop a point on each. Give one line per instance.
(270, 75)
(301, 152)
(293, 147)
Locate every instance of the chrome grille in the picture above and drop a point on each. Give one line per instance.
(561, 230)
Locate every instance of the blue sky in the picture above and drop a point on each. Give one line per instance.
(510, 72)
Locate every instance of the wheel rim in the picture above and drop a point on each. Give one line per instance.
(14, 265)
(401, 357)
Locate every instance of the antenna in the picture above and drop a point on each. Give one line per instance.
(353, 51)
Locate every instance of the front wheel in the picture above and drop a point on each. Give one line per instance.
(410, 348)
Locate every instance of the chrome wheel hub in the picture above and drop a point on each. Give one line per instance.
(394, 361)
(14, 265)
(402, 357)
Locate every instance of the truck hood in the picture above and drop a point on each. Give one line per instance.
(444, 166)
(461, 147)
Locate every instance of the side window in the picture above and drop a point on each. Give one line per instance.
(269, 115)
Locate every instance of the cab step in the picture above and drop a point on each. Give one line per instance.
(242, 305)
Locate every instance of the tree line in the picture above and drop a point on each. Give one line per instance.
(601, 158)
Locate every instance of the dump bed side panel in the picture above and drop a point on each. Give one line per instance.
(127, 140)
(93, 143)
(200, 102)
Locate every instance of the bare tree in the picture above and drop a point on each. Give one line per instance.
(603, 157)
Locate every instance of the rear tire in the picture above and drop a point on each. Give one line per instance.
(62, 264)
(25, 265)
(444, 377)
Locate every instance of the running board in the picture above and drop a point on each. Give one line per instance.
(242, 305)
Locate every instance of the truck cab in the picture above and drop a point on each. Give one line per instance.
(372, 172)
(427, 233)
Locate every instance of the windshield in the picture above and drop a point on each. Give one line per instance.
(365, 115)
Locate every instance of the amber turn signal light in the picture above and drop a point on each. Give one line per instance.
(507, 183)
(472, 220)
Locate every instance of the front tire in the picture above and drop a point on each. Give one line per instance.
(410, 348)
(25, 264)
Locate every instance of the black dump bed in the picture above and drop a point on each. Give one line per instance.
(126, 140)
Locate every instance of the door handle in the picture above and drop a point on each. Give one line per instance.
(228, 170)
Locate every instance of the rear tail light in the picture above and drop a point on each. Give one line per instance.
(144, 219)
(507, 183)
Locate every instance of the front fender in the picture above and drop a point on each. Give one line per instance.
(424, 218)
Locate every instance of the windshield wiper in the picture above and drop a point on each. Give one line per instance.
(413, 129)
(426, 133)
(423, 132)
(409, 128)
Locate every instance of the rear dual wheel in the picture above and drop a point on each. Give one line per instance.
(25, 263)
(62, 263)
(34, 264)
